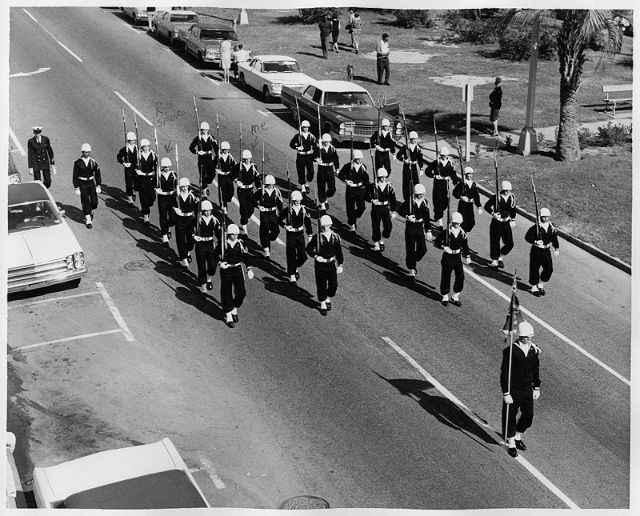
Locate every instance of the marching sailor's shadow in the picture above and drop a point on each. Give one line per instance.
(481, 267)
(171, 269)
(152, 246)
(203, 302)
(117, 201)
(73, 212)
(377, 258)
(347, 235)
(291, 291)
(419, 287)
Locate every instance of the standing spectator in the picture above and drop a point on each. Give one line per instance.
(40, 157)
(356, 30)
(239, 56)
(382, 54)
(225, 57)
(495, 103)
(325, 32)
(335, 31)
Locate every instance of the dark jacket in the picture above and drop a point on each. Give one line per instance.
(86, 174)
(40, 155)
(525, 370)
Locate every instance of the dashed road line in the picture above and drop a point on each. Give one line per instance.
(52, 299)
(66, 339)
(493, 434)
(133, 108)
(55, 39)
(27, 74)
(211, 471)
(115, 312)
(262, 112)
(17, 143)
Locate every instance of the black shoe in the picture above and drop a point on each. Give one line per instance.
(209, 285)
(381, 247)
(513, 452)
(88, 224)
(297, 275)
(328, 306)
(536, 293)
(456, 302)
(500, 264)
(387, 84)
(444, 302)
(147, 222)
(520, 445)
(542, 292)
(380, 83)
(165, 244)
(92, 216)
(323, 311)
(235, 317)
(133, 196)
(189, 259)
(169, 235)
(231, 324)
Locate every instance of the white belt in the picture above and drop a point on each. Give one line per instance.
(452, 251)
(503, 219)
(295, 230)
(262, 208)
(355, 185)
(244, 187)
(440, 177)
(325, 260)
(206, 239)
(304, 153)
(543, 246)
(323, 164)
(380, 203)
(166, 193)
(183, 214)
(221, 173)
(464, 198)
(85, 178)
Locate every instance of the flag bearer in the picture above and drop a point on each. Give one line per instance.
(382, 197)
(455, 247)
(541, 237)
(296, 220)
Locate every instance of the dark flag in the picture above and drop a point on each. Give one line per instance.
(514, 316)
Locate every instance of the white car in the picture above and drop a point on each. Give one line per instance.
(167, 24)
(139, 14)
(268, 73)
(149, 476)
(41, 248)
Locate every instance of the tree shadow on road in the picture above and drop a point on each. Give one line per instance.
(441, 408)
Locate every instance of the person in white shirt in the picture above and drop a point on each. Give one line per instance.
(382, 54)
(239, 56)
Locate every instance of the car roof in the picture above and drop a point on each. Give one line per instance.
(275, 58)
(32, 191)
(178, 11)
(214, 26)
(339, 86)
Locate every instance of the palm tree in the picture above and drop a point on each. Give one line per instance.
(576, 28)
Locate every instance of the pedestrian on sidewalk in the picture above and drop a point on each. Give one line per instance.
(335, 32)
(325, 32)
(356, 30)
(495, 103)
(40, 157)
(382, 59)
(225, 57)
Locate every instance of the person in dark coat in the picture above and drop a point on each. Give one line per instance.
(495, 103)
(542, 237)
(325, 31)
(147, 179)
(268, 200)
(206, 232)
(503, 209)
(40, 157)
(295, 219)
(411, 157)
(384, 144)
(455, 246)
(469, 195)
(87, 181)
(247, 178)
(444, 176)
(128, 158)
(185, 205)
(328, 163)
(335, 32)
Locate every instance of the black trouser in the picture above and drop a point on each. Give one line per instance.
(147, 194)
(383, 67)
(499, 231)
(88, 197)
(45, 178)
(304, 165)
(232, 290)
(296, 253)
(324, 42)
(326, 280)
(355, 203)
(165, 213)
(326, 183)
(184, 238)
(205, 260)
(409, 173)
(269, 228)
(440, 199)
(131, 182)
(524, 402)
(540, 258)
(468, 216)
(415, 245)
(382, 159)
(451, 263)
(245, 200)
(225, 183)
(207, 167)
(380, 214)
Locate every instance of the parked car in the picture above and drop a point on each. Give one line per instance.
(14, 174)
(139, 14)
(41, 248)
(202, 40)
(268, 74)
(149, 476)
(167, 24)
(346, 109)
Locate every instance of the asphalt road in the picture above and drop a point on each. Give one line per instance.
(290, 402)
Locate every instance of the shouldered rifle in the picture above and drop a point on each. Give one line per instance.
(135, 121)
(124, 123)
(460, 161)
(446, 235)
(223, 234)
(195, 108)
(299, 123)
(177, 178)
(435, 137)
(217, 130)
(289, 190)
(240, 150)
(535, 201)
(407, 156)
(262, 194)
(318, 243)
(378, 131)
(155, 137)
(495, 165)
(319, 127)
(373, 171)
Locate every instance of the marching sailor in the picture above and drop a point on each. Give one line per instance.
(328, 164)
(209, 228)
(227, 173)
(503, 209)
(269, 201)
(166, 190)
(468, 194)
(382, 197)
(541, 237)
(356, 177)
(128, 158)
(206, 147)
(305, 144)
(441, 170)
(295, 221)
(384, 145)
(247, 178)
(416, 212)
(87, 181)
(455, 247)
(411, 156)
(184, 207)
(147, 179)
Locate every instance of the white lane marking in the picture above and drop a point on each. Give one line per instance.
(17, 142)
(56, 40)
(262, 112)
(550, 328)
(52, 299)
(213, 81)
(115, 312)
(134, 109)
(66, 339)
(493, 434)
(27, 74)
(211, 471)
(130, 27)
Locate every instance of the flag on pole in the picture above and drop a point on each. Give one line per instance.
(514, 316)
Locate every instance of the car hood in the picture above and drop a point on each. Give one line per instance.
(361, 114)
(287, 78)
(40, 245)
(179, 25)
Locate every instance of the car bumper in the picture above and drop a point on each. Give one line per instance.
(32, 277)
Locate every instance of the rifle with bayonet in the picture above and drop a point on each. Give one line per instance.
(535, 201)
(200, 182)
(155, 138)
(408, 157)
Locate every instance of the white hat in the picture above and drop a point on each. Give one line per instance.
(296, 195)
(357, 154)
(413, 134)
(326, 137)
(85, 147)
(165, 162)
(456, 218)
(232, 229)
(525, 329)
(131, 136)
(37, 128)
(269, 180)
(384, 122)
(225, 145)
(506, 185)
(419, 189)
(305, 123)
(204, 125)
(544, 212)
(325, 220)
(184, 181)
(444, 151)
(382, 172)
(468, 170)
(144, 142)
(246, 154)
(206, 205)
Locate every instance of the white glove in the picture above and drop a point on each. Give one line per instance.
(411, 218)
(340, 269)
(138, 171)
(508, 399)
(446, 249)
(127, 165)
(224, 265)
(301, 148)
(479, 211)
(556, 252)
(379, 148)
(158, 190)
(53, 170)
(538, 242)
(429, 236)
(496, 216)
(512, 223)
(98, 189)
(468, 260)
(77, 191)
(536, 394)
(249, 273)
(393, 214)
(349, 182)
(197, 238)
(288, 228)
(310, 238)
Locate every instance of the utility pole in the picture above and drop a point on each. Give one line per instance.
(528, 141)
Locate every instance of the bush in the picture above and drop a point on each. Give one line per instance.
(410, 18)
(316, 15)
(584, 138)
(514, 45)
(467, 29)
(611, 135)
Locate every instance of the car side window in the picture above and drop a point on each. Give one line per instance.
(310, 92)
(257, 65)
(317, 96)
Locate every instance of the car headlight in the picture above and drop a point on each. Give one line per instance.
(276, 87)
(341, 128)
(398, 128)
(70, 262)
(75, 261)
(175, 33)
(210, 52)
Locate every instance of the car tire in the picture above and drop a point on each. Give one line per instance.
(265, 94)
(74, 283)
(135, 19)
(243, 81)
(171, 40)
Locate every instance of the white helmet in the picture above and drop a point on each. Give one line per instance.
(184, 181)
(165, 162)
(544, 212)
(468, 170)
(305, 123)
(225, 145)
(204, 125)
(246, 154)
(382, 172)
(419, 190)
(269, 180)
(131, 136)
(206, 206)
(444, 151)
(357, 154)
(326, 137)
(525, 329)
(413, 135)
(233, 229)
(384, 122)
(144, 142)
(325, 220)
(456, 218)
(296, 195)
(85, 147)
(506, 185)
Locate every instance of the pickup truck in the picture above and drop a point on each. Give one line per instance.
(345, 108)
(202, 40)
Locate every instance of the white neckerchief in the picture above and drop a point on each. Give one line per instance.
(131, 147)
(327, 235)
(232, 243)
(38, 139)
(296, 209)
(444, 160)
(412, 146)
(247, 166)
(269, 191)
(524, 347)
(357, 166)
(545, 225)
(145, 155)
(381, 186)
(419, 202)
(468, 182)
(86, 160)
(455, 231)
(205, 137)
(305, 135)
(166, 173)
(184, 196)
(206, 220)
(384, 132)
(225, 157)
(505, 198)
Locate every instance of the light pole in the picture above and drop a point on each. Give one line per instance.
(528, 141)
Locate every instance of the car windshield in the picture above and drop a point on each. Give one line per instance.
(32, 215)
(179, 18)
(217, 34)
(281, 66)
(348, 98)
